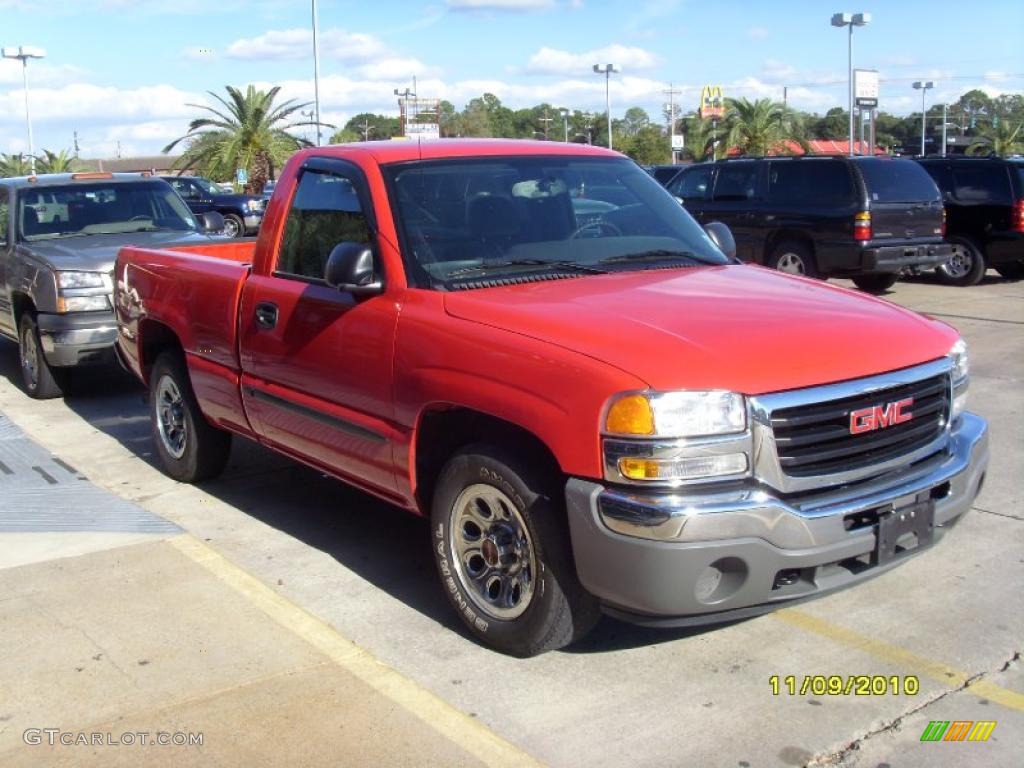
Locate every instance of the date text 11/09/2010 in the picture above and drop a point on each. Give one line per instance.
(840, 685)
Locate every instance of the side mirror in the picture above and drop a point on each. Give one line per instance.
(211, 221)
(721, 236)
(351, 268)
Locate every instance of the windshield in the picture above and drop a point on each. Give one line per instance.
(506, 216)
(207, 186)
(107, 208)
(896, 180)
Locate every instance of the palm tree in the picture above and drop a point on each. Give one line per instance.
(698, 136)
(250, 132)
(1001, 139)
(60, 162)
(762, 126)
(13, 165)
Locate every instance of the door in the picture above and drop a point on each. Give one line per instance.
(198, 201)
(691, 186)
(735, 201)
(6, 254)
(317, 362)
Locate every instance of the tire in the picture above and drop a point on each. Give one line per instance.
(233, 225)
(1011, 270)
(527, 599)
(189, 447)
(38, 378)
(794, 258)
(879, 283)
(967, 266)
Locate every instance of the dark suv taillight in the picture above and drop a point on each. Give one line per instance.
(862, 225)
(1018, 216)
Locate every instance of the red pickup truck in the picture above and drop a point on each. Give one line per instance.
(536, 347)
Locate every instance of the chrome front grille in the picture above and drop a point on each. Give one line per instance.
(816, 439)
(803, 440)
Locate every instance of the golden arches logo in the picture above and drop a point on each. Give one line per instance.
(712, 103)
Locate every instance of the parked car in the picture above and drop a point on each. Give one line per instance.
(864, 218)
(596, 412)
(663, 174)
(59, 235)
(242, 214)
(984, 198)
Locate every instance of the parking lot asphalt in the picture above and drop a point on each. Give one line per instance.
(288, 568)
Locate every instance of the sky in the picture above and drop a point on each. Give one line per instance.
(123, 73)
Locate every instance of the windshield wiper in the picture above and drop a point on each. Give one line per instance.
(563, 265)
(653, 256)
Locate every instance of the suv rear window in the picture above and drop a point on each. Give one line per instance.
(896, 180)
(981, 183)
(810, 182)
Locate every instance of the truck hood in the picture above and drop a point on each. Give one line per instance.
(741, 328)
(96, 253)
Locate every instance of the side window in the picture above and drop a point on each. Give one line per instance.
(982, 183)
(785, 181)
(828, 182)
(325, 211)
(736, 182)
(691, 185)
(4, 207)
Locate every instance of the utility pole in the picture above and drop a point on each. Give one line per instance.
(547, 121)
(565, 122)
(366, 129)
(76, 144)
(672, 93)
(607, 71)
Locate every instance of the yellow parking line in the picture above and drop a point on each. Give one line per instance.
(467, 733)
(920, 665)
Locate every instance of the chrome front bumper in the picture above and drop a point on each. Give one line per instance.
(689, 558)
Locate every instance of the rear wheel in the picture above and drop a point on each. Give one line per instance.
(967, 265)
(793, 258)
(1011, 270)
(39, 379)
(233, 226)
(502, 548)
(189, 447)
(876, 283)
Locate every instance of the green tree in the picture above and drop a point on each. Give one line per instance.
(698, 136)
(761, 126)
(367, 126)
(13, 165)
(648, 145)
(59, 162)
(635, 120)
(248, 131)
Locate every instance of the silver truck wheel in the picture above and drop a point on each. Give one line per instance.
(37, 377)
(492, 552)
(170, 417)
(791, 264)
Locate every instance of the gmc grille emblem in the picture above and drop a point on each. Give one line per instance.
(880, 416)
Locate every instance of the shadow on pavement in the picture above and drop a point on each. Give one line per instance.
(385, 545)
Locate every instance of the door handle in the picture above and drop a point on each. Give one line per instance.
(266, 315)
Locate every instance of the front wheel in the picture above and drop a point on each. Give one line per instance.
(189, 447)
(876, 283)
(967, 265)
(39, 379)
(502, 549)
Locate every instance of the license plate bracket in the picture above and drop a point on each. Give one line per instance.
(891, 535)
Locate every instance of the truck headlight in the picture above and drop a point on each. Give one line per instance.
(80, 280)
(677, 414)
(83, 303)
(960, 374)
(255, 205)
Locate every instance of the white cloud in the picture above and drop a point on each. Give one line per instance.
(758, 33)
(500, 5)
(277, 44)
(776, 70)
(551, 61)
(39, 73)
(396, 68)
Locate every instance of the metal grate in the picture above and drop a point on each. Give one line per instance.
(816, 439)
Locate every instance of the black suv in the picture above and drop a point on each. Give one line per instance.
(859, 217)
(242, 214)
(984, 199)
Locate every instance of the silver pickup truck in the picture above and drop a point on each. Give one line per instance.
(59, 236)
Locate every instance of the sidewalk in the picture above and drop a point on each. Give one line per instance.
(116, 624)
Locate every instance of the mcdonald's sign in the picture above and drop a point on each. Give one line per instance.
(712, 104)
(958, 730)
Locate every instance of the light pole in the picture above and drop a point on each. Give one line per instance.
(565, 122)
(850, 20)
(607, 71)
(923, 86)
(26, 52)
(316, 75)
(404, 107)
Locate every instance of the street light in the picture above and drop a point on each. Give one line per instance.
(850, 20)
(316, 75)
(607, 71)
(923, 86)
(565, 121)
(404, 107)
(26, 52)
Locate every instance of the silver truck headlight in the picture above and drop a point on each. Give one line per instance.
(68, 280)
(960, 374)
(255, 205)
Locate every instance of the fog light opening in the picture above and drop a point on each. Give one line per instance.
(720, 580)
(941, 491)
